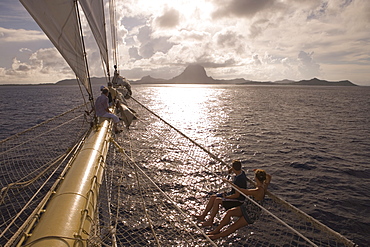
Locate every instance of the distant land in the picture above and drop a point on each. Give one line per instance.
(196, 74)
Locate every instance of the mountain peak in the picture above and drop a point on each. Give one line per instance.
(319, 82)
(193, 73)
(195, 69)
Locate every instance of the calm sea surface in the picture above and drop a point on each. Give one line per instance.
(315, 141)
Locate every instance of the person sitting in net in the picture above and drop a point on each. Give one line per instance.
(249, 211)
(228, 200)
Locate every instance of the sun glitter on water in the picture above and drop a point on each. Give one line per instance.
(187, 106)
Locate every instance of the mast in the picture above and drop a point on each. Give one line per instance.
(67, 215)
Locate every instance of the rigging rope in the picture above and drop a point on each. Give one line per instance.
(145, 207)
(121, 150)
(89, 89)
(40, 124)
(220, 177)
(163, 136)
(195, 143)
(32, 217)
(42, 134)
(175, 176)
(273, 215)
(82, 94)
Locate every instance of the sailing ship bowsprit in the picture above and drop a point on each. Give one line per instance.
(89, 187)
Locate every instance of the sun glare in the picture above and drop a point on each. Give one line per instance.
(185, 7)
(184, 102)
(185, 106)
(195, 110)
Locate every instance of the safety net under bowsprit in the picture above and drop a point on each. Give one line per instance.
(155, 179)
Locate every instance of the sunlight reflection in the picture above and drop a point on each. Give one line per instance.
(185, 105)
(191, 107)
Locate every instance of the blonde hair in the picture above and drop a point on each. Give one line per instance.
(260, 175)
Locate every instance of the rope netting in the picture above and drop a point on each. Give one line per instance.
(155, 179)
(30, 163)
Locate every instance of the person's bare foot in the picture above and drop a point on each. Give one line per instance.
(199, 217)
(213, 237)
(214, 232)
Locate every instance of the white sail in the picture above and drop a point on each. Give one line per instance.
(94, 12)
(59, 21)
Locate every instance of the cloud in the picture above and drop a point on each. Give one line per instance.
(230, 39)
(134, 53)
(25, 50)
(169, 19)
(23, 67)
(20, 35)
(307, 66)
(256, 60)
(149, 46)
(190, 36)
(45, 65)
(262, 39)
(48, 60)
(19, 43)
(144, 34)
(241, 8)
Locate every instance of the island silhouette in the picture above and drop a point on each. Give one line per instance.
(196, 74)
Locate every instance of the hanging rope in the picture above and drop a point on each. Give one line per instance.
(195, 143)
(175, 178)
(159, 162)
(41, 124)
(89, 89)
(215, 157)
(137, 168)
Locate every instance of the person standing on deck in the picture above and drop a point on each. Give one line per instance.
(228, 200)
(249, 211)
(112, 95)
(115, 77)
(123, 82)
(102, 109)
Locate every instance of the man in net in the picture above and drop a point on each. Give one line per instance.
(227, 200)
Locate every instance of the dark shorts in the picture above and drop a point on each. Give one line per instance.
(250, 211)
(231, 204)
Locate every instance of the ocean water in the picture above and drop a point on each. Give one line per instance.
(315, 141)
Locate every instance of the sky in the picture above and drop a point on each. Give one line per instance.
(264, 40)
